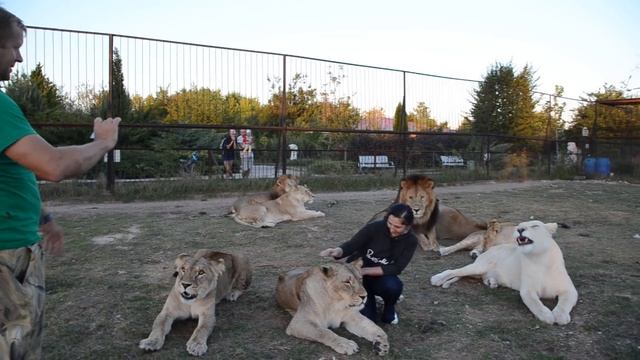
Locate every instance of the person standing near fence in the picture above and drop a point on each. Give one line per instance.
(27, 231)
(245, 142)
(228, 147)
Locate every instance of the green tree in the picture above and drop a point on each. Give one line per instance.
(421, 117)
(302, 105)
(36, 95)
(120, 97)
(610, 121)
(400, 119)
(372, 119)
(49, 92)
(121, 103)
(503, 103)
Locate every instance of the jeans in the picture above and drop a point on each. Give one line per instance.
(389, 288)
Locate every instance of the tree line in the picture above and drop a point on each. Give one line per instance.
(505, 102)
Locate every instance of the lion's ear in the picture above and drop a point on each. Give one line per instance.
(552, 227)
(218, 265)
(180, 260)
(328, 271)
(427, 183)
(358, 263)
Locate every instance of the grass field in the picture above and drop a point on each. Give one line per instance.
(104, 293)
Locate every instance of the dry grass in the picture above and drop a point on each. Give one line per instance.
(104, 293)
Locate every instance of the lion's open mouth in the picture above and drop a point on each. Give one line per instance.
(523, 240)
(185, 295)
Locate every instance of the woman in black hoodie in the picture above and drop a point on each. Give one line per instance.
(386, 247)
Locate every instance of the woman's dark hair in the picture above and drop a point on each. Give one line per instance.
(402, 211)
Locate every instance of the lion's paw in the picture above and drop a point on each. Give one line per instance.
(381, 347)
(546, 317)
(196, 348)
(346, 347)
(561, 318)
(234, 295)
(475, 253)
(491, 282)
(150, 344)
(439, 279)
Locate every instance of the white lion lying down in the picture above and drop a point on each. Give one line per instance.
(479, 241)
(533, 265)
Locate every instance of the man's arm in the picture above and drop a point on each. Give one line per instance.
(58, 163)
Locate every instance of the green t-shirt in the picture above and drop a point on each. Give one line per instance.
(19, 194)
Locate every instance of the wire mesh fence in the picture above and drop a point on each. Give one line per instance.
(310, 117)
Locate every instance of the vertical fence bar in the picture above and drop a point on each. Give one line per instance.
(405, 135)
(283, 121)
(547, 142)
(111, 176)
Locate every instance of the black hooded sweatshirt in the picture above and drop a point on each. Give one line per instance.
(374, 244)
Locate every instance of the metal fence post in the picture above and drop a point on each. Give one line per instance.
(405, 133)
(283, 122)
(111, 176)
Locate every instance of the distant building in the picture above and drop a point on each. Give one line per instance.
(385, 124)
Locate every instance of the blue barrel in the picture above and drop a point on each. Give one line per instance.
(589, 166)
(603, 166)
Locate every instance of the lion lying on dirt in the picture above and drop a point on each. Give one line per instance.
(532, 264)
(324, 297)
(202, 280)
(283, 184)
(289, 206)
(497, 233)
(432, 220)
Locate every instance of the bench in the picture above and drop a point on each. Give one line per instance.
(374, 162)
(451, 161)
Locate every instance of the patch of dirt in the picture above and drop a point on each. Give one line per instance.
(219, 206)
(130, 233)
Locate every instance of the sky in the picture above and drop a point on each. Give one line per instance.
(580, 45)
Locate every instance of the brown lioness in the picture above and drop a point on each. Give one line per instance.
(329, 296)
(202, 280)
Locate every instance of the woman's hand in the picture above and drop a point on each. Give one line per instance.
(332, 252)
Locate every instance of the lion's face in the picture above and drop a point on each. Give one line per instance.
(417, 192)
(534, 237)
(303, 193)
(284, 184)
(344, 284)
(196, 276)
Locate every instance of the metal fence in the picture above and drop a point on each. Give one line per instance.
(80, 64)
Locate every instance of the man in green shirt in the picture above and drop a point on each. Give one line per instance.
(25, 156)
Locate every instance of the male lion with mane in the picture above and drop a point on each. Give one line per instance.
(288, 207)
(202, 280)
(324, 297)
(283, 184)
(432, 220)
(531, 264)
